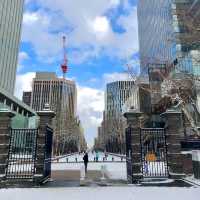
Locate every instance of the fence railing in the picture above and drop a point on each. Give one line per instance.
(48, 152)
(22, 154)
(154, 152)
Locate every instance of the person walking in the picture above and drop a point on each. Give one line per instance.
(97, 156)
(85, 159)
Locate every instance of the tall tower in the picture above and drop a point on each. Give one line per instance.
(64, 66)
(11, 13)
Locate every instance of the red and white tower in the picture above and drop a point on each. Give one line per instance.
(64, 66)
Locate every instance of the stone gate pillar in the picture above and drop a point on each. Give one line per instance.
(174, 133)
(134, 164)
(46, 118)
(5, 125)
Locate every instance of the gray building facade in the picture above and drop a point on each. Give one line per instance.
(11, 13)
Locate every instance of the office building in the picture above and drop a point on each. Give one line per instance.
(61, 95)
(11, 13)
(113, 125)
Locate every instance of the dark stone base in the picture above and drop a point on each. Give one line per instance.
(176, 176)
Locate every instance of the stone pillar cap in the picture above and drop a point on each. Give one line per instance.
(46, 111)
(6, 112)
(132, 112)
(170, 111)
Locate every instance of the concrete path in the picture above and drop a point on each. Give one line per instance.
(74, 175)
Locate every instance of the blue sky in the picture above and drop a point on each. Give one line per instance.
(101, 38)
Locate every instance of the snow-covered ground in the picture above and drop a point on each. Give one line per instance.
(193, 180)
(102, 193)
(114, 170)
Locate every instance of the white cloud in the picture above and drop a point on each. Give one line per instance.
(86, 26)
(101, 24)
(30, 18)
(115, 2)
(116, 77)
(23, 83)
(90, 108)
(21, 58)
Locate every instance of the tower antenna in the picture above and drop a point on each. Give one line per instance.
(64, 66)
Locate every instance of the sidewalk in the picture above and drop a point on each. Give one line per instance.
(101, 193)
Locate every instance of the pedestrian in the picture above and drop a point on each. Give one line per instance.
(146, 168)
(97, 156)
(85, 159)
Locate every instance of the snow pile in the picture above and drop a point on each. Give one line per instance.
(193, 180)
(101, 193)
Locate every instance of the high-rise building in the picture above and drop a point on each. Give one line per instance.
(61, 95)
(113, 125)
(26, 98)
(11, 13)
(48, 88)
(168, 32)
(116, 95)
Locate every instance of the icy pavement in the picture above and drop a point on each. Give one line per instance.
(101, 193)
(114, 170)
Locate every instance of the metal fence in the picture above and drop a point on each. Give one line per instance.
(129, 161)
(48, 152)
(154, 152)
(22, 154)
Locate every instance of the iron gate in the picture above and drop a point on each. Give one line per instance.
(129, 161)
(48, 152)
(22, 154)
(154, 152)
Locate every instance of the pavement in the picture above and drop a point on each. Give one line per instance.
(74, 175)
(72, 178)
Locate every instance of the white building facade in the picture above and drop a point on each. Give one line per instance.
(11, 13)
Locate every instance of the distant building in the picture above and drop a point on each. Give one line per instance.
(116, 95)
(111, 133)
(26, 98)
(11, 13)
(61, 95)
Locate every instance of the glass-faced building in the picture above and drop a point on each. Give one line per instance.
(11, 12)
(170, 30)
(117, 94)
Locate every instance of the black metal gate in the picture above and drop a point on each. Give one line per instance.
(154, 152)
(22, 154)
(129, 161)
(48, 152)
